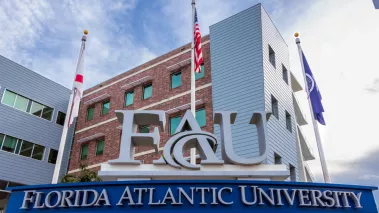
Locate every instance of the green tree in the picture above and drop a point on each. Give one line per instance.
(85, 175)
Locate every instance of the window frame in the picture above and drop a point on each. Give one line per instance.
(199, 109)
(93, 114)
(102, 107)
(292, 174)
(202, 66)
(169, 123)
(277, 157)
(288, 122)
(48, 157)
(271, 52)
(64, 120)
(126, 98)
(274, 100)
(285, 74)
(171, 78)
(97, 145)
(29, 105)
(81, 152)
(143, 90)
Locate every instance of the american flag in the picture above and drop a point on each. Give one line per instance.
(197, 45)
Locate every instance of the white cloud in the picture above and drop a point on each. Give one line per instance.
(45, 37)
(340, 42)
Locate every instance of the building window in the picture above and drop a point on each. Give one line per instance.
(100, 147)
(47, 113)
(271, 56)
(176, 80)
(274, 107)
(174, 123)
(90, 113)
(84, 152)
(106, 105)
(27, 105)
(21, 103)
(61, 118)
(144, 129)
(26, 149)
(292, 173)
(288, 122)
(21, 147)
(285, 74)
(201, 117)
(36, 109)
(129, 98)
(38, 151)
(53, 156)
(9, 98)
(201, 74)
(147, 91)
(277, 159)
(9, 144)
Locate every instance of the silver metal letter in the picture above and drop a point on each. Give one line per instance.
(28, 198)
(225, 119)
(130, 138)
(128, 197)
(219, 195)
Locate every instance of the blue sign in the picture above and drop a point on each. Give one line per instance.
(192, 196)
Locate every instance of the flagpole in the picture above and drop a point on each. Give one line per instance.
(315, 125)
(66, 122)
(193, 86)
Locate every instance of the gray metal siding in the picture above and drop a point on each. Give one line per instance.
(237, 76)
(25, 126)
(282, 141)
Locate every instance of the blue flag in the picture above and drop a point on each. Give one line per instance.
(313, 93)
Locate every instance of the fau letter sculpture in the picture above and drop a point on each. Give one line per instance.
(187, 135)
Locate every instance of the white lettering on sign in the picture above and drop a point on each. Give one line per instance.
(249, 195)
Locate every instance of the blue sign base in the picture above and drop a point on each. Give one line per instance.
(192, 196)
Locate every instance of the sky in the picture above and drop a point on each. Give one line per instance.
(340, 39)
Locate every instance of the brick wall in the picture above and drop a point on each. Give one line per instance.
(162, 91)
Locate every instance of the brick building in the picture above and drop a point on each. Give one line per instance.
(246, 68)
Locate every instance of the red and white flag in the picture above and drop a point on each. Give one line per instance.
(77, 89)
(197, 45)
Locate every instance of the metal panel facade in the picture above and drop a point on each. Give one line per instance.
(22, 125)
(282, 141)
(237, 76)
(243, 80)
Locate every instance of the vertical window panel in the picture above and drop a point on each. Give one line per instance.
(274, 107)
(26, 149)
(36, 109)
(21, 103)
(277, 159)
(174, 123)
(53, 156)
(147, 91)
(129, 98)
(100, 147)
(38, 152)
(9, 98)
(47, 113)
(201, 74)
(271, 56)
(288, 122)
(9, 143)
(90, 113)
(201, 117)
(292, 173)
(285, 74)
(2, 136)
(105, 107)
(61, 118)
(176, 80)
(84, 152)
